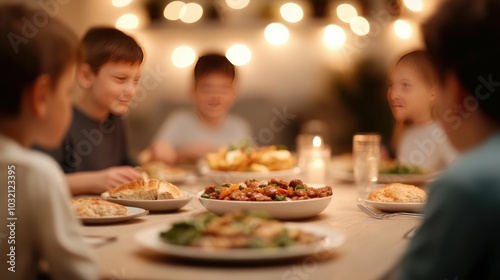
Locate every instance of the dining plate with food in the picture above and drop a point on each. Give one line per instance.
(397, 197)
(239, 237)
(235, 164)
(92, 210)
(248, 158)
(281, 199)
(150, 194)
(390, 173)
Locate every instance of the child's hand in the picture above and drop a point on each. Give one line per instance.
(162, 151)
(115, 176)
(196, 151)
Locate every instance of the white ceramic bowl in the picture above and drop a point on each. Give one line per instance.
(283, 210)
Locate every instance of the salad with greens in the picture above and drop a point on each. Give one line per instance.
(236, 230)
(401, 169)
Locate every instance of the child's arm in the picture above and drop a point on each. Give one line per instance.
(194, 151)
(158, 151)
(96, 182)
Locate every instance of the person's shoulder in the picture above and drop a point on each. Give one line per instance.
(474, 176)
(38, 164)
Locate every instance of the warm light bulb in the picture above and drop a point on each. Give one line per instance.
(173, 9)
(291, 12)
(317, 141)
(183, 57)
(239, 54)
(237, 4)
(276, 33)
(346, 12)
(120, 3)
(334, 36)
(190, 13)
(414, 5)
(402, 29)
(127, 21)
(360, 26)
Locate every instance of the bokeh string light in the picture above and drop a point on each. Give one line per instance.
(239, 54)
(291, 12)
(237, 4)
(173, 9)
(276, 33)
(191, 12)
(127, 21)
(183, 56)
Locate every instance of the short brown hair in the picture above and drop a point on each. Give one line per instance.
(213, 63)
(421, 62)
(463, 38)
(28, 50)
(107, 44)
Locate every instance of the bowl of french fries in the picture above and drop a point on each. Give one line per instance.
(238, 163)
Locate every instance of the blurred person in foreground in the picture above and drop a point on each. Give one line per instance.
(419, 140)
(187, 135)
(94, 153)
(37, 76)
(460, 234)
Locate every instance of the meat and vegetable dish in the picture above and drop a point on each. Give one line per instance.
(236, 230)
(272, 190)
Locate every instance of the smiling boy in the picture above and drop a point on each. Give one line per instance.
(94, 152)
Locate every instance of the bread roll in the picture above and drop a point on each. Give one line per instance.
(397, 192)
(167, 190)
(135, 190)
(147, 189)
(90, 207)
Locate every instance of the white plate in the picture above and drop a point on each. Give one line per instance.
(156, 205)
(395, 207)
(133, 213)
(348, 176)
(333, 239)
(284, 210)
(221, 177)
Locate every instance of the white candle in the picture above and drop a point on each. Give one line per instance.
(315, 161)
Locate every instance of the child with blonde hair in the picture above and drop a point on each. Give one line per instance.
(419, 140)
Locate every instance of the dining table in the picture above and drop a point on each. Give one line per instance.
(371, 249)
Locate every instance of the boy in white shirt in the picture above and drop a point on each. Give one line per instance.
(37, 76)
(188, 135)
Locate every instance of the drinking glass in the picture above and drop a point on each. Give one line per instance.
(366, 160)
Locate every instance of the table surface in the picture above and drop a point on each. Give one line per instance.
(372, 247)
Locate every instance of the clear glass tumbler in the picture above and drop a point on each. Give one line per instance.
(366, 162)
